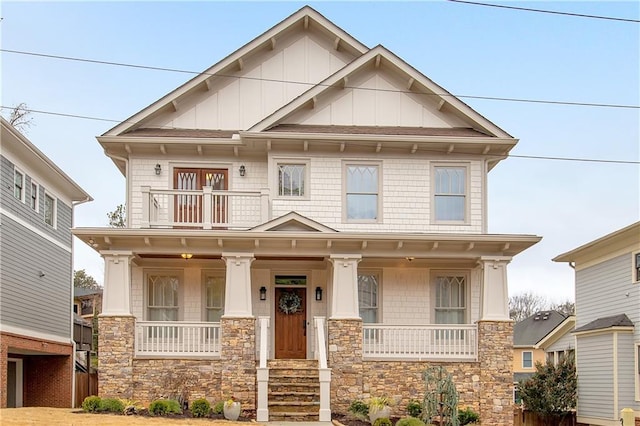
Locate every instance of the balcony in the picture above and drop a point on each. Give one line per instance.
(203, 209)
(164, 338)
(425, 342)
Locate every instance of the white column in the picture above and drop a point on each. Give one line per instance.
(116, 294)
(344, 297)
(495, 290)
(237, 295)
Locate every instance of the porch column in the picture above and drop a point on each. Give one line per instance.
(116, 327)
(344, 294)
(495, 344)
(237, 295)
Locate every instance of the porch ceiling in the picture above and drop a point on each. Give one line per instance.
(210, 244)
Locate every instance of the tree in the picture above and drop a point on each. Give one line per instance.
(20, 117)
(117, 218)
(83, 280)
(524, 305)
(552, 391)
(566, 308)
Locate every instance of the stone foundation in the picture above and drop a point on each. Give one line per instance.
(116, 337)
(238, 355)
(345, 361)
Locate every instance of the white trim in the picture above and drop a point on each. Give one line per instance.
(54, 207)
(37, 187)
(596, 421)
(380, 206)
(23, 190)
(274, 181)
(205, 273)
(433, 273)
(635, 279)
(614, 349)
(617, 329)
(163, 273)
(532, 364)
(34, 334)
(636, 370)
(378, 273)
(467, 192)
(19, 380)
(34, 230)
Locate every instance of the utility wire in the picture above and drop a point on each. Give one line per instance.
(491, 98)
(530, 157)
(579, 15)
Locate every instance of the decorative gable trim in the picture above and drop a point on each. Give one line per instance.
(293, 221)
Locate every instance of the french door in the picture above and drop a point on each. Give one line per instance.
(188, 207)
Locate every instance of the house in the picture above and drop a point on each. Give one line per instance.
(306, 208)
(36, 322)
(607, 283)
(87, 302)
(541, 337)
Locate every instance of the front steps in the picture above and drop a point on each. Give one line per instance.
(294, 390)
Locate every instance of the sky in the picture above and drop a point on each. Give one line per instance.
(470, 50)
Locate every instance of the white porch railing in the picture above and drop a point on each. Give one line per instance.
(163, 338)
(324, 373)
(262, 372)
(426, 342)
(203, 209)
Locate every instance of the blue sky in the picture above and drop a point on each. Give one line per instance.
(469, 50)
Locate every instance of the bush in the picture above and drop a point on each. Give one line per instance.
(112, 405)
(162, 407)
(91, 404)
(200, 408)
(410, 421)
(414, 408)
(551, 392)
(382, 421)
(130, 406)
(218, 408)
(467, 415)
(359, 409)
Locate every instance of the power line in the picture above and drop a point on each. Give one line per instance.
(530, 157)
(526, 9)
(490, 98)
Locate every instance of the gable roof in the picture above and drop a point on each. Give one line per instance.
(616, 240)
(558, 332)
(533, 329)
(417, 82)
(293, 221)
(620, 320)
(306, 16)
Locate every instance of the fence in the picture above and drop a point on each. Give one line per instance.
(528, 418)
(86, 385)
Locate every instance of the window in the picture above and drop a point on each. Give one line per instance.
(527, 359)
(450, 194)
(362, 182)
(162, 297)
(368, 297)
(450, 299)
(18, 185)
(291, 180)
(49, 209)
(214, 297)
(551, 357)
(636, 267)
(34, 196)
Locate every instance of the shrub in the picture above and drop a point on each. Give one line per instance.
(467, 415)
(200, 408)
(410, 421)
(359, 409)
(414, 408)
(130, 406)
(91, 404)
(111, 405)
(162, 407)
(218, 408)
(382, 421)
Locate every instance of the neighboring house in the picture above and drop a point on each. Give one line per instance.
(307, 205)
(607, 325)
(543, 336)
(87, 302)
(36, 333)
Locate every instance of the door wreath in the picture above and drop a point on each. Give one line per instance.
(289, 303)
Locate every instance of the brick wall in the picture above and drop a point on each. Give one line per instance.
(47, 378)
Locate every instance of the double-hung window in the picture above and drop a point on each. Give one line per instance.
(450, 193)
(49, 209)
(34, 196)
(450, 298)
(292, 179)
(214, 297)
(636, 267)
(527, 359)
(362, 192)
(162, 297)
(368, 289)
(18, 185)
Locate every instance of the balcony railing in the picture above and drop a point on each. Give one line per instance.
(426, 342)
(203, 209)
(163, 338)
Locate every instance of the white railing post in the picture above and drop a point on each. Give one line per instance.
(262, 412)
(165, 338)
(323, 372)
(207, 207)
(146, 206)
(265, 214)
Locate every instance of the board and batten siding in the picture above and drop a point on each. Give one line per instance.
(595, 372)
(27, 300)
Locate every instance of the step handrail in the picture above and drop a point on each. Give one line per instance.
(321, 346)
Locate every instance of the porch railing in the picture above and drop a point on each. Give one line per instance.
(164, 338)
(203, 209)
(425, 342)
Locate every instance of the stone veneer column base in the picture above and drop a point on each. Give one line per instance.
(238, 359)
(495, 354)
(345, 361)
(116, 336)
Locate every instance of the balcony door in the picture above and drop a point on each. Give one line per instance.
(188, 207)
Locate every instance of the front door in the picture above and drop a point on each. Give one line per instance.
(291, 323)
(188, 207)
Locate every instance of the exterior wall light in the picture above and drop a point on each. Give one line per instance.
(318, 293)
(242, 170)
(158, 169)
(263, 293)
(186, 256)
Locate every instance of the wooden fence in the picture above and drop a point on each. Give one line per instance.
(86, 385)
(528, 418)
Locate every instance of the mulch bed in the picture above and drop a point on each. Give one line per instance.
(248, 416)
